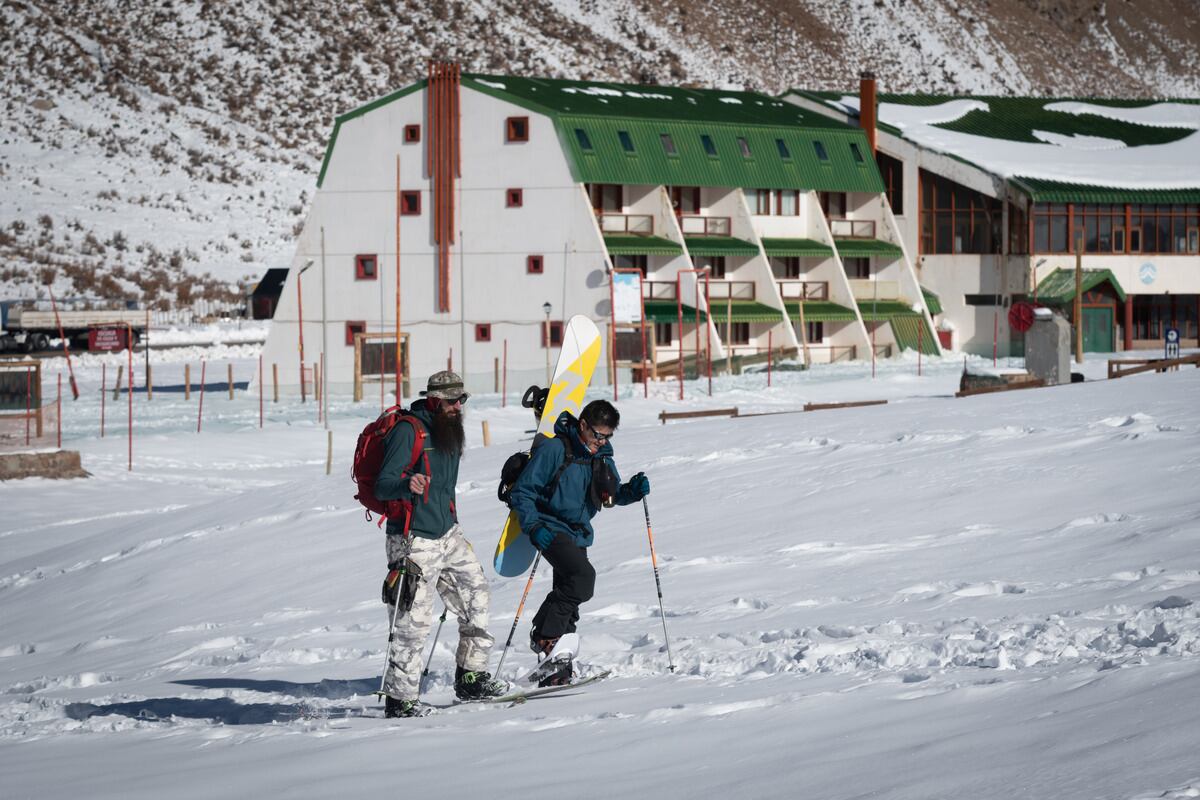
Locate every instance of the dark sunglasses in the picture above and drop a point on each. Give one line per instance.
(461, 400)
(599, 437)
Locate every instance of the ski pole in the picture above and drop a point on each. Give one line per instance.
(387, 651)
(658, 585)
(520, 606)
(437, 635)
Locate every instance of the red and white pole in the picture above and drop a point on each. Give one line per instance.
(200, 411)
(28, 403)
(770, 349)
(504, 380)
(103, 392)
(260, 393)
(129, 350)
(58, 415)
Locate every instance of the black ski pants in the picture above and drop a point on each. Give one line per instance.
(574, 582)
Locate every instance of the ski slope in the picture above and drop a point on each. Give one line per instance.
(989, 597)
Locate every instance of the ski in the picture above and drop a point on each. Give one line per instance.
(525, 694)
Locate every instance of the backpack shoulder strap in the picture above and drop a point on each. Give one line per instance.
(567, 461)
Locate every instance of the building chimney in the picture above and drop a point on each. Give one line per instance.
(867, 106)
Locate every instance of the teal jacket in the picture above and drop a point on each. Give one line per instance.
(435, 513)
(569, 508)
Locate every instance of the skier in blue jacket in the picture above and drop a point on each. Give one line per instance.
(559, 491)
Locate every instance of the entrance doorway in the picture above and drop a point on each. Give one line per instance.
(1098, 330)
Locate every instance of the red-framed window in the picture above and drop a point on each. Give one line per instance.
(714, 264)
(410, 203)
(366, 267)
(483, 332)
(535, 265)
(514, 198)
(607, 197)
(956, 219)
(412, 134)
(556, 333)
(516, 129)
(354, 327)
(833, 204)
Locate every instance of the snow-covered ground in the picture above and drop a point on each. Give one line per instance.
(988, 597)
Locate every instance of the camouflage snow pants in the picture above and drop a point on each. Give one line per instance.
(448, 564)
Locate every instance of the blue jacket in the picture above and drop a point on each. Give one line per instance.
(434, 514)
(569, 509)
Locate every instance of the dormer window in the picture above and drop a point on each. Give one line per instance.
(668, 144)
(707, 143)
(782, 147)
(744, 146)
(820, 148)
(585, 143)
(626, 141)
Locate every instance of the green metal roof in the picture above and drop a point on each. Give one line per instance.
(861, 248)
(819, 311)
(719, 246)
(744, 311)
(884, 310)
(1042, 191)
(1058, 288)
(932, 302)
(796, 247)
(668, 311)
(628, 245)
(912, 333)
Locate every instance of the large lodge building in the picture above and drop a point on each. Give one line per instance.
(487, 210)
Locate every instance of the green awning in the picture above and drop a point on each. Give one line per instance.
(719, 246)
(625, 245)
(744, 311)
(784, 248)
(884, 310)
(819, 311)
(1041, 191)
(932, 302)
(1058, 288)
(668, 311)
(864, 248)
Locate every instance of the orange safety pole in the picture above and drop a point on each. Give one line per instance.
(129, 350)
(65, 344)
(770, 350)
(612, 331)
(58, 403)
(399, 360)
(920, 345)
(679, 317)
(103, 391)
(300, 328)
(28, 403)
(260, 392)
(504, 384)
(200, 411)
(645, 368)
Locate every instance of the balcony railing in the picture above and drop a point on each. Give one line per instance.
(693, 225)
(803, 290)
(658, 290)
(852, 228)
(633, 224)
(717, 290)
(875, 290)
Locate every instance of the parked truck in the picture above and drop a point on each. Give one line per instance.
(30, 330)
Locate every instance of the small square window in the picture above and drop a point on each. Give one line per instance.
(534, 265)
(483, 332)
(366, 268)
(514, 198)
(556, 333)
(707, 143)
(668, 144)
(516, 129)
(820, 148)
(744, 146)
(782, 147)
(856, 152)
(626, 141)
(412, 134)
(585, 143)
(410, 203)
(353, 328)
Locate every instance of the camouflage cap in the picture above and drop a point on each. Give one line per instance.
(445, 385)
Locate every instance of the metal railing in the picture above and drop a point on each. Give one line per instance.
(695, 225)
(792, 289)
(867, 290)
(658, 290)
(730, 290)
(852, 228)
(634, 224)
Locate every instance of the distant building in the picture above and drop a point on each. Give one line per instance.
(504, 195)
(264, 297)
(992, 193)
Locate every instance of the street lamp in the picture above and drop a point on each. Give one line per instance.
(546, 309)
(1040, 261)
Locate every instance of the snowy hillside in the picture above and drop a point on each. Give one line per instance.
(989, 597)
(167, 151)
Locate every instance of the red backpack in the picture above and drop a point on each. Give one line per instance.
(368, 459)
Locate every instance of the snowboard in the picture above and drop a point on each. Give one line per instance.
(524, 694)
(576, 362)
(565, 649)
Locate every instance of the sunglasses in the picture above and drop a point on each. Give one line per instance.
(599, 437)
(461, 400)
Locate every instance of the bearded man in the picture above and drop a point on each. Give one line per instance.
(428, 552)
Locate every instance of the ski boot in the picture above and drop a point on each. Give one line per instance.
(397, 709)
(563, 672)
(476, 685)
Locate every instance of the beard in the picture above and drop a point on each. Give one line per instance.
(447, 433)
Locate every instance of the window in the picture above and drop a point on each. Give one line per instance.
(892, 172)
(1114, 228)
(668, 144)
(787, 267)
(788, 202)
(535, 265)
(715, 265)
(759, 201)
(366, 268)
(982, 299)
(410, 203)
(354, 328)
(607, 197)
(857, 267)
(626, 141)
(585, 144)
(744, 146)
(1051, 223)
(833, 204)
(514, 198)
(955, 219)
(556, 333)
(814, 331)
(856, 152)
(707, 143)
(516, 129)
(639, 262)
(820, 148)
(739, 333)
(685, 199)
(782, 147)
(483, 332)
(663, 334)
(412, 134)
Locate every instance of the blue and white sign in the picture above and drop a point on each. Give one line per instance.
(1147, 273)
(627, 298)
(1172, 342)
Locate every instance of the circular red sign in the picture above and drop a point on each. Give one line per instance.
(1020, 317)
